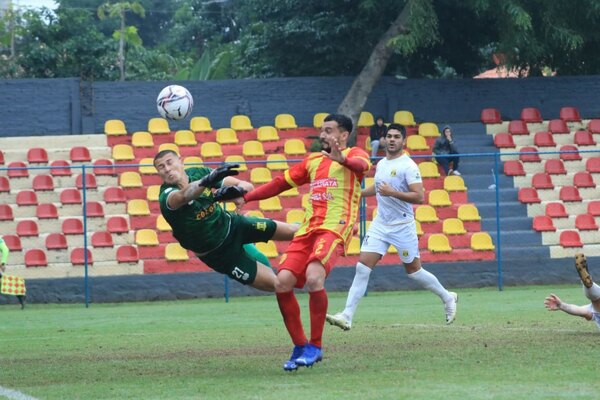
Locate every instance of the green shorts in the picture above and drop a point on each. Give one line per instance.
(230, 258)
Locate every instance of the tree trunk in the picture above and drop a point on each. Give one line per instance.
(122, 46)
(362, 86)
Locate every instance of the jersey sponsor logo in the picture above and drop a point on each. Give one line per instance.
(321, 196)
(205, 212)
(261, 226)
(324, 182)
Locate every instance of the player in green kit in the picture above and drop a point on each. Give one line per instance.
(219, 238)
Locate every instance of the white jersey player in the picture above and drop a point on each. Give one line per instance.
(398, 186)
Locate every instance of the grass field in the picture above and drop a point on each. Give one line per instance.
(504, 345)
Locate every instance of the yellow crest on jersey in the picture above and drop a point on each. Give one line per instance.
(393, 172)
(261, 226)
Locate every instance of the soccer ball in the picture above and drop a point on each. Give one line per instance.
(174, 102)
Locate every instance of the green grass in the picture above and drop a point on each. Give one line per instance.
(504, 345)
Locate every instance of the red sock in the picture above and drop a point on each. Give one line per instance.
(290, 310)
(317, 304)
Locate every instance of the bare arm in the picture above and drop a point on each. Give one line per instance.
(368, 191)
(183, 196)
(554, 303)
(415, 195)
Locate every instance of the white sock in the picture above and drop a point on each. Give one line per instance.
(592, 293)
(428, 281)
(357, 290)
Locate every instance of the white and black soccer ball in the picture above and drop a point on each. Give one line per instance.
(174, 102)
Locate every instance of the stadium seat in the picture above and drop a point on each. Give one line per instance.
(365, 119)
(528, 195)
(586, 222)
(285, 121)
(127, 254)
(542, 180)
(37, 155)
(46, 211)
(114, 127)
(558, 126)
(1, 157)
(60, 168)
(142, 139)
(504, 141)
(468, 212)
(138, 207)
(162, 225)
(174, 252)
(572, 153)
(353, 247)
(146, 167)
(439, 198)
(158, 126)
(294, 216)
(570, 239)
(453, 226)
(405, 118)
(114, 195)
(454, 183)
(594, 126)
(277, 162)
(593, 208)
(123, 152)
(570, 114)
(13, 242)
(294, 147)
(200, 124)
(72, 226)
(438, 243)
(4, 184)
(569, 194)
(27, 198)
(255, 213)
(592, 165)
(103, 167)
(78, 256)
(556, 210)
(482, 241)
(419, 228)
(429, 169)
(513, 168)
(529, 157)
(6, 212)
(169, 146)
(267, 134)
(117, 224)
(80, 154)
(269, 249)
(185, 138)
(531, 115)
(518, 127)
(555, 167)
(153, 192)
(584, 138)
(271, 204)
(241, 123)
(237, 159)
(90, 181)
(35, 258)
(130, 179)
(490, 116)
(429, 129)
(227, 136)
(70, 196)
(426, 213)
(27, 227)
(318, 119)
(17, 169)
(416, 143)
(94, 209)
(259, 175)
(583, 179)
(253, 148)
(193, 161)
(56, 241)
(543, 223)
(146, 237)
(43, 182)
(211, 150)
(543, 139)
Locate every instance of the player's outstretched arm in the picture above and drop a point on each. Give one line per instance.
(554, 303)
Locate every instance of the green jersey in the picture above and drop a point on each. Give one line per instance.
(201, 225)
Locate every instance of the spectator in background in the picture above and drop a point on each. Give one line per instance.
(3, 258)
(445, 145)
(378, 132)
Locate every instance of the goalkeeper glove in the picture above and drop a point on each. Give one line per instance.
(218, 174)
(227, 193)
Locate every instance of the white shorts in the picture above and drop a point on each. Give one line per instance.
(403, 236)
(595, 315)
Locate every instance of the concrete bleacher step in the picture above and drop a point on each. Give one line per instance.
(66, 269)
(587, 237)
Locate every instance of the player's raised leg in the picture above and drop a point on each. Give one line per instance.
(590, 289)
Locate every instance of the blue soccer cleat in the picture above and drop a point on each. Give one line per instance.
(312, 354)
(291, 365)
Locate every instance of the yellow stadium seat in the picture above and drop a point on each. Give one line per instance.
(429, 169)
(392, 250)
(294, 147)
(115, 127)
(365, 119)
(193, 161)
(200, 124)
(429, 129)
(295, 216)
(454, 183)
(439, 198)
(271, 204)
(468, 212)
(152, 192)
(122, 152)
(277, 162)
(241, 123)
(453, 226)
(146, 237)
(227, 136)
(230, 206)
(162, 225)
(405, 118)
(417, 143)
(260, 175)
(130, 179)
(482, 241)
(369, 181)
(211, 149)
(285, 121)
(174, 252)
(267, 134)
(235, 159)
(158, 126)
(255, 214)
(354, 246)
(438, 243)
(374, 212)
(419, 228)
(185, 137)
(147, 166)
(318, 119)
(142, 139)
(169, 146)
(290, 193)
(268, 249)
(253, 148)
(138, 207)
(425, 213)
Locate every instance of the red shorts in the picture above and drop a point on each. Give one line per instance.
(320, 245)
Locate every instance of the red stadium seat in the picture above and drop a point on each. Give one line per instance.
(570, 239)
(56, 241)
(46, 211)
(544, 139)
(584, 138)
(102, 239)
(513, 168)
(569, 193)
(531, 115)
(114, 195)
(543, 223)
(572, 155)
(586, 222)
(80, 154)
(27, 228)
(6, 212)
(37, 155)
(117, 224)
(78, 256)
(570, 114)
(103, 166)
(90, 181)
(594, 126)
(556, 210)
(17, 169)
(529, 157)
(27, 198)
(558, 126)
(94, 209)
(43, 182)
(63, 168)
(518, 127)
(583, 179)
(542, 180)
(35, 258)
(72, 226)
(592, 165)
(528, 195)
(127, 254)
(593, 208)
(491, 116)
(4, 184)
(13, 242)
(555, 167)
(1, 157)
(504, 141)
(70, 196)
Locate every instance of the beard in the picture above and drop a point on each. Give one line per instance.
(325, 146)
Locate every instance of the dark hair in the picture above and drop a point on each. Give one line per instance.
(343, 121)
(161, 154)
(398, 127)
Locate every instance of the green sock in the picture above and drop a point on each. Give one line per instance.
(253, 252)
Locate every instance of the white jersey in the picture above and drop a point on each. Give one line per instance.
(595, 315)
(399, 173)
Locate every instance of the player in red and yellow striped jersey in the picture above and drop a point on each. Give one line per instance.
(335, 177)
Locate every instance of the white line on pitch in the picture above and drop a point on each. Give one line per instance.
(14, 395)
